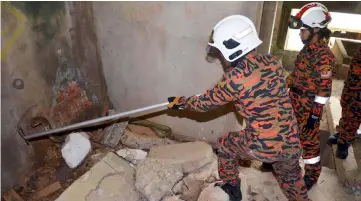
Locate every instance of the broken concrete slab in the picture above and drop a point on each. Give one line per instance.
(172, 198)
(257, 185)
(143, 141)
(119, 164)
(192, 189)
(109, 166)
(113, 133)
(213, 193)
(52, 188)
(132, 155)
(75, 149)
(208, 171)
(346, 169)
(178, 187)
(191, 155)
(155, 178)
(114, 188)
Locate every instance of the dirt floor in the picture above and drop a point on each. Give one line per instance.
(55, 169)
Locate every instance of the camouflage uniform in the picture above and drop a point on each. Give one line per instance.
(257, 87)
(310, 88)
(351, 102)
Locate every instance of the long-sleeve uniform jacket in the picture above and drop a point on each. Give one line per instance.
(257, 86)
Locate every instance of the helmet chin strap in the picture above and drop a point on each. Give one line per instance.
(307, 41)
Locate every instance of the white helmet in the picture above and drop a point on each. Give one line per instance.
(311, 15)
(234, 36)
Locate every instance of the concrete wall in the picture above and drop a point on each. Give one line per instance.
(152, 50)
(41, 78)
(267, 26)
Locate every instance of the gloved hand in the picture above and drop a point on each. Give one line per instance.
(312, 120)
(176, 102)
(289, 81)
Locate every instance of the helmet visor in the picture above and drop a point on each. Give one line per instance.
(295, 23)
(210, 40)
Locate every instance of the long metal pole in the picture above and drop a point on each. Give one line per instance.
(93, 122)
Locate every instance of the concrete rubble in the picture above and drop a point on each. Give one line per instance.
(191, 155)
(132, 155)
(172, 198)
(177, 172)
(191, 189)
(113, 133)
(143, 141)
(213, 193)
(155, 178)
(75, 149)
(110, 179)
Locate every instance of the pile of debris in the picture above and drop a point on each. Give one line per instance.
(131, 162)
(177, 171)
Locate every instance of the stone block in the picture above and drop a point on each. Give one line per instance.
(143, 141)
(191, 155)
(155, 178)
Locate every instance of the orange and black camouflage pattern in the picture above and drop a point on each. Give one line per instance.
(351, 102)
(257, 87)
(311, 77)
(288, 171)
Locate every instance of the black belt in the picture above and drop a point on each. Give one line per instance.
(303, 93)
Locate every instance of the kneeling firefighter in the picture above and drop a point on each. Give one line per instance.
(256, 84)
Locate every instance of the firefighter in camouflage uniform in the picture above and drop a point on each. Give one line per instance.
(310, 82)
(257, 85)
(351, 109)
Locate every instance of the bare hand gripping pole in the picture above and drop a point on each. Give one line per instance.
(98, 121)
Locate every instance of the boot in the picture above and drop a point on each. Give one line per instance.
(233, 191)
(266, 167)
(333, 139)
(309, 182)
(342, 150)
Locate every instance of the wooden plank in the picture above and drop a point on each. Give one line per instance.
(52, 188)
(11, 195)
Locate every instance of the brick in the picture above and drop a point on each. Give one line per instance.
(52, 188)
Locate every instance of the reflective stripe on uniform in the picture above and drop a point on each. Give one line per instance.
(312, 160)
(321, 100)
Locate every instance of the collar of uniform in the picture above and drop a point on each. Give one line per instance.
(310, 47)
